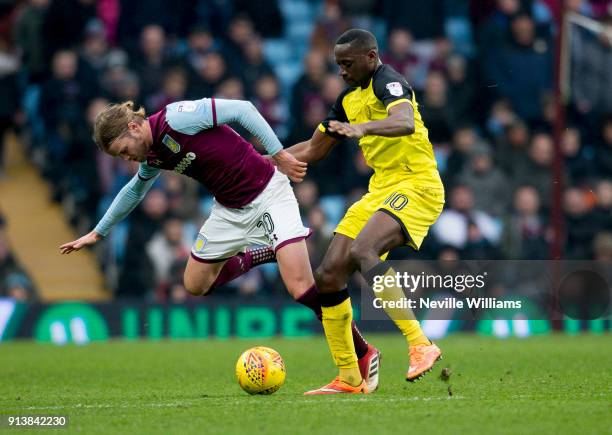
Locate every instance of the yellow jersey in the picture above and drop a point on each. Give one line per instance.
(394, 159)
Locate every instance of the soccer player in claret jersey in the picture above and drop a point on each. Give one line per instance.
(254, 202)
(405, 197)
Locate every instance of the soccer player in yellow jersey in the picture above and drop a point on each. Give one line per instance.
(404, 198)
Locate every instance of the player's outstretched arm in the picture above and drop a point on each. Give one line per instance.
(314, 149)
(88, 239)
(126, 200)
(400, 122)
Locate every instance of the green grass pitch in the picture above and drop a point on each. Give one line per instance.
(555, 384)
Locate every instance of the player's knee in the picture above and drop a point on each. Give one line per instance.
(327, 277)
(361, 253)
(299, 284)
(195, 287)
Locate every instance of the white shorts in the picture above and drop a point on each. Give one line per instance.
(272, 219)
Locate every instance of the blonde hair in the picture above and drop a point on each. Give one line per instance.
(113, 121)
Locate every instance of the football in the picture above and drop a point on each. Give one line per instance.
(260, 370)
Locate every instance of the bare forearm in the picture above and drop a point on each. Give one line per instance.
(392, 126)
(315, 149)
(301, 151)
(400, 122)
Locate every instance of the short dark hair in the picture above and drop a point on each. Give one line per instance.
(358, 38)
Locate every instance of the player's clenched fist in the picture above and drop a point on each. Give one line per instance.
(88, 239)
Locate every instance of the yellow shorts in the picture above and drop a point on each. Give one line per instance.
(415, 208)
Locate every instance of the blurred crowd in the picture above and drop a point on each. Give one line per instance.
(482, 72)
(14, 280)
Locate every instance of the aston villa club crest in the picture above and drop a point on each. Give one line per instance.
(173, 145)
(200, 243)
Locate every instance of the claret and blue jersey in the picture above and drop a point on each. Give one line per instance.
(191, 138)
(215, 155)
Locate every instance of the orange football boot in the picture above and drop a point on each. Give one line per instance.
(422, 359)
(339, 387)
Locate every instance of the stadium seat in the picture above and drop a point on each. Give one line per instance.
(277, 51)
(206, 204)
(270, 271)
(334, 207)
(287, 75)
(459, 31)
(296, 10)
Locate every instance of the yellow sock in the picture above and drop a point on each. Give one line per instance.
(412, 331)
(337, 324)
(403, 318)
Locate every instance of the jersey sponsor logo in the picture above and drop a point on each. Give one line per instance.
(186, 106)
(173, 145)
(185, 162)
(395, 89)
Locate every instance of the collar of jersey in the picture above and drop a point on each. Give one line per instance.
(372, 78)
